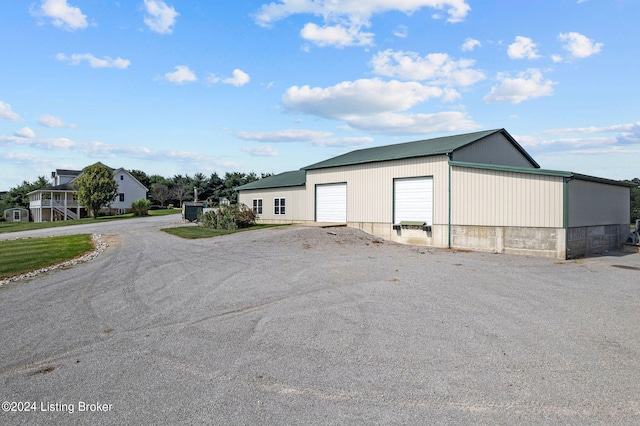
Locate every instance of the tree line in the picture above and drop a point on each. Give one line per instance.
(162, 190)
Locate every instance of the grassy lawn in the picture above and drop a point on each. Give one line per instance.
(28, 254)
(19, 226)
(193, 232)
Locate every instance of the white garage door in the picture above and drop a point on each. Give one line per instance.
(413, 200)
(331, 203)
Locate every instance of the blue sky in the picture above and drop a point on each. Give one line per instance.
(179, 87)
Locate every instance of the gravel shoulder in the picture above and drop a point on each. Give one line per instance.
(298, 325)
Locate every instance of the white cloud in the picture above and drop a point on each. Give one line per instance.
(63, 15)
(401, 31)
(288, 135)
(160, 18)
(106, 62)
(527, 85)
(25, 132)
(314, 137)
(373, 105)
(343, 142)
(240, 78)
(412, 124)
(41, 143)
(470, 44)
(619, 134)
(53, 121)
(6, 112)
(182, 74)
(345, 19)
(336, 35)
(355, 11)
(365, 96)
(523, 48)
(578, 45)
(438, 68)
(261, 151)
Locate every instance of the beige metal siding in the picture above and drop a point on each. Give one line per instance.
(592, 203)
(370, 187)
(495, 149)
(497, 198)
(294, 206)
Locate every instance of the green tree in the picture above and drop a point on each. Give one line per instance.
(233, 180)
(96, 187)
(181, 192)
(213, 188)
(160, 192)
(17, 197)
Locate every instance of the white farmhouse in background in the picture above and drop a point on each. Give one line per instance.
(60, 201)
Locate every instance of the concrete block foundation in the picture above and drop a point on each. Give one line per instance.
(591, 240)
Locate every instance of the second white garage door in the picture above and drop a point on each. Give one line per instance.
(331, 203)
(413, 200)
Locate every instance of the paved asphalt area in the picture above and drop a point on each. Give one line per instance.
(298, 325)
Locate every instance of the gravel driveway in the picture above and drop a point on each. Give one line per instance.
(298, 325)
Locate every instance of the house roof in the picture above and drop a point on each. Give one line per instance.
(66, 172)
(69, 187)
(423, 148)
(63, 187)
(292, 178)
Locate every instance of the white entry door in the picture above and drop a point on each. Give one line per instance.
(413, 200)
(331, 203)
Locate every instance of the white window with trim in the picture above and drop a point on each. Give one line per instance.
(279, 206)
(257, 205)
(413, 200)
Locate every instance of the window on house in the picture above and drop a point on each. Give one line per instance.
(279, 204)
(257, 205)
(121, 197)
(121, 177)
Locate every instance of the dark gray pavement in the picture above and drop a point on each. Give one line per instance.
(297, 325)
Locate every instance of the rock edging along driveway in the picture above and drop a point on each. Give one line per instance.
(99, 244)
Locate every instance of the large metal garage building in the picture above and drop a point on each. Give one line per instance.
(479, 191)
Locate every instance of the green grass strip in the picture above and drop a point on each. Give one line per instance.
(28, 254)
(19, 226)
(194, 232)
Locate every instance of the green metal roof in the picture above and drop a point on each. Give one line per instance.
(292, 178)
(422, 148)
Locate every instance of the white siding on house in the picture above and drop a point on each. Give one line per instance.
(500, 198)
(130, 187)
(593, 203)
(494, 149)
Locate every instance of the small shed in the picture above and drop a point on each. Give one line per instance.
(16, 214)
(191, 211)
